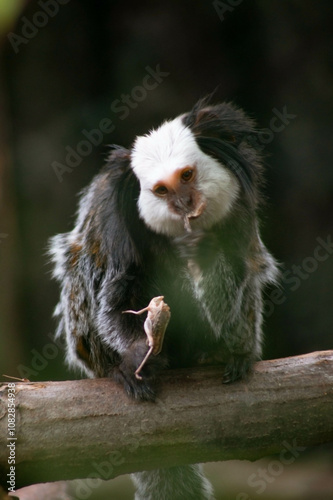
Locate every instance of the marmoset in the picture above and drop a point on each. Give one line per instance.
(175, 216)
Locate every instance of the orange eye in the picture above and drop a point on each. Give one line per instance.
(187, 175)
(161, 190)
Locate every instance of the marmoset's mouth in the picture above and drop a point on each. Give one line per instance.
(197, 211)
(195, 214)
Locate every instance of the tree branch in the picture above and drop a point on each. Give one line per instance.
(89, 428)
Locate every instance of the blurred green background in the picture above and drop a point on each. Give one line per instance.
(68, 65)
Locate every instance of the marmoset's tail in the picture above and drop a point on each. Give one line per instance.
(175, 483)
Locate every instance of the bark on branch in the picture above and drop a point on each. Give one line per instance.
(77, 429)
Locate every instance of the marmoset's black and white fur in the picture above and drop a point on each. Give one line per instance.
(175, 215)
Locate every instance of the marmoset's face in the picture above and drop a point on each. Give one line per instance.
(180, 184)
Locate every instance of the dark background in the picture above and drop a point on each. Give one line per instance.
(63, 77)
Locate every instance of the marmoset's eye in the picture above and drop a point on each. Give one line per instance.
(160, 190)
(187, 175)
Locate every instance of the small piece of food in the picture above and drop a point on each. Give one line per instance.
(155, 325)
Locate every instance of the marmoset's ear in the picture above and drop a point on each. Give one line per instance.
(224, 132)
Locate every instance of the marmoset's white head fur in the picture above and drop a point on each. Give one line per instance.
(178, 180)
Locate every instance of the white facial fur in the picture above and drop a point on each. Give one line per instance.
(171, 147)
